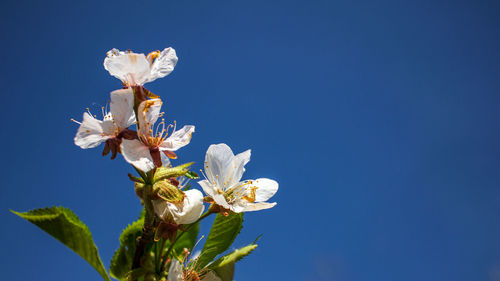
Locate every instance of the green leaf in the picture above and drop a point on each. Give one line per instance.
(224, 266)
(65, 226)
(188, 240)
(233, 257)
(226, 272)
(135, 274)
(123, 257)
(224, 231)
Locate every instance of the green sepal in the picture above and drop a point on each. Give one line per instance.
(124, 255)
(224, 231)
(168, 192)
(173, 172)
(135, 179)
(192, 175)
(62, 224)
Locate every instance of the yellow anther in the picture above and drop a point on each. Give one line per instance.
(152, 56)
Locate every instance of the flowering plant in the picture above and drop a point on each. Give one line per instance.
(159, 244)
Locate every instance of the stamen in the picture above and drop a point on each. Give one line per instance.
(238, 191)
(175, 126)
(199, 240)
(75, 121)
(158, 127)
(166, 130)
(183, 182)
(107, 107)
(203, 174)
(151, 57)
(196, 244)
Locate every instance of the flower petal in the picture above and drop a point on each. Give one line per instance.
(190, 210)
(208, 188)
(90, 133)
(175, 271)
(122, 107)
(165, 161)
(258, 206)
(161, 208)
(178, 139)
(163, 65)
(137, 154)
(217, 160)
(211, 190)
(266, 188)
(108, 126)
(148, 111)
(235, 169)
(130, 68)
(184, 213)
(239, 205)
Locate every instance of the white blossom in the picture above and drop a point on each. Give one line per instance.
(223, 174)
(93, 132)
(185, 212)
(137, 69)
(153, 148)
(177, 272)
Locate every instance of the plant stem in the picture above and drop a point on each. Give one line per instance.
(148, 228)
(156, 256)
(159, 255)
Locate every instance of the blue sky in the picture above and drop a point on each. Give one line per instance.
(379, 119)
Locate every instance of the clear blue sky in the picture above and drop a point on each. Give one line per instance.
(379, 119)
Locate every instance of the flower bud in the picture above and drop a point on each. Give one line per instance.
(139, 188)
(168, 192)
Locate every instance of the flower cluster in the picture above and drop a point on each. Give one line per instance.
(134, 126)
(150, 146)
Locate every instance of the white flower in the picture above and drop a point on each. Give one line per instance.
(185, 212)
(93, 132)
(224, 171)
(137, 69)
(153, 148)
(177, 272)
